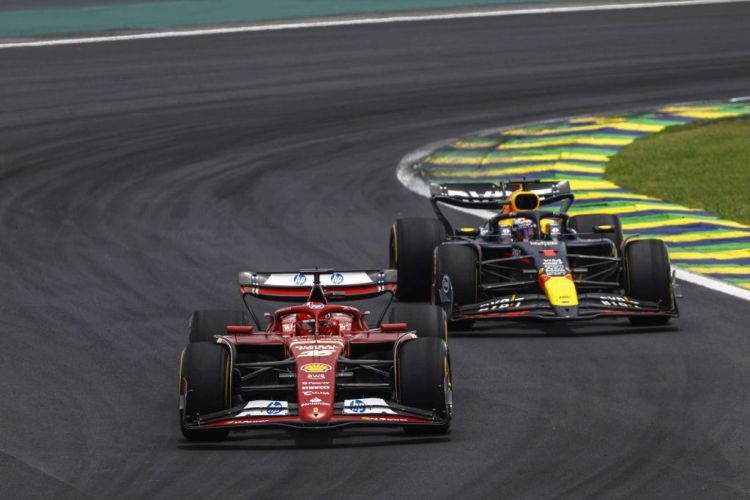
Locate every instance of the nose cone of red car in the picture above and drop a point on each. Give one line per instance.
(316, 376)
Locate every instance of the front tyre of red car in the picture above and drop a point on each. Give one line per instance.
(205, 325)
(205, 384)
(424, 381)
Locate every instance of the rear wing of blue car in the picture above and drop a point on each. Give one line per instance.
(514, 196)
(489, 195)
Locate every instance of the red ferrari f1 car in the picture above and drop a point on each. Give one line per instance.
(316, 363)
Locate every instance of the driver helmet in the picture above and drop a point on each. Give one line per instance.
(524, 229)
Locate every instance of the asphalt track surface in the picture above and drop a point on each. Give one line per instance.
(137, 178)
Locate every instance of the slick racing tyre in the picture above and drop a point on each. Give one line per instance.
(205, 373)
(203, 325)
(410, 252)
(460, 264)
(648, 277)
(584, 224)
(424, 380)
(428, 320)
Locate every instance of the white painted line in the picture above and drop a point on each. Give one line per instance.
(712, 284)
(362, 21)
(740, 99)
(408, 176)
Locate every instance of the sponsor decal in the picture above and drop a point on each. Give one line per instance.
(324, 388)
(316, 352)
(316, 404)
(542, 243)
(499, 304)
(316, 386)
(446, 284)
(386, 419)
(300, 279)
(372, 406)
(554, 267)
(274, 408)
(619, 302)
(357, 406)
(315, 305)
(316, 393)
(316, 367)
(488, 194)
(316, 345)
(260, 408)
(314, 376)
(337, 278)
(316, 400)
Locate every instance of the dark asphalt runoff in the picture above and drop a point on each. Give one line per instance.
(138, 178)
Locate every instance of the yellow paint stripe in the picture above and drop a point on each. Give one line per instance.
(632, 127)
(745, 285)
(601, 194)
(548, 157)
(484, 159)
(588, 141)
(719, 270)
(498, 172)
(680, 222)
(639, 127)
(635, 207)
(590, 185)
(743, 253)
(455, 160)
(474, 144)
(597, 119)
(704, 112)
(718, 235)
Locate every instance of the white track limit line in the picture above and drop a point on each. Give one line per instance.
(357, 21)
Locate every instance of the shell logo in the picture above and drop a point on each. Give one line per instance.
(315, 367)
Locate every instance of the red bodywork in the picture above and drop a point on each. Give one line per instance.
(317, 338)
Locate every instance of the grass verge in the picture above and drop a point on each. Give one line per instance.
(705, 165)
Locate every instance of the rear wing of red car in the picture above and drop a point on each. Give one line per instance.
(336, 285)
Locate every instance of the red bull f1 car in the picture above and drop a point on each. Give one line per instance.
(528, 262)
(316, 363)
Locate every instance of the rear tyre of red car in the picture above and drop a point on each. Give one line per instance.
(460, 264)
(427, 319)
(203, 325)
(648, 277)
(205, 373)
(424, 380)
(410, 252)
(584, 224)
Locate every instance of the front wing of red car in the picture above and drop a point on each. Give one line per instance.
(348, 413)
